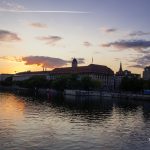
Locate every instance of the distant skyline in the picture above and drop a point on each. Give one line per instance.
(49, 33)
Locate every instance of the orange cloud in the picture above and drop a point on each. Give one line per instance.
(11, 58)
(43, 61)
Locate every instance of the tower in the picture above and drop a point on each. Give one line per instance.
(120, 72)
(120, 69)
(74, 63)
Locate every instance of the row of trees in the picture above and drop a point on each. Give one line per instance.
(65, 82)
(134, 84)
(74, 82)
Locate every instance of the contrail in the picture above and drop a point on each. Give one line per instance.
(43, 11)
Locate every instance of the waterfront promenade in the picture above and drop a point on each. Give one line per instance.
(123, 95)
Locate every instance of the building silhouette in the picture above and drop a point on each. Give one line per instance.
(74, 63)
(96, 72)
(146, 73)
(120, 74)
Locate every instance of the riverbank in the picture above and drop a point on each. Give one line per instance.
(79, 93)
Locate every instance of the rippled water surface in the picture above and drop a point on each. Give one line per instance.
(70, 124)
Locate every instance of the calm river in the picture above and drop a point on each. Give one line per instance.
(29, 123)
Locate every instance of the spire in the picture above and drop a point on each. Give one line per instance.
(120, 69)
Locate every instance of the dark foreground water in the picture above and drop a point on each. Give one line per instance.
(28, 123)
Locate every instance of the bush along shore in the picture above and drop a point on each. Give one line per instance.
(85, 86)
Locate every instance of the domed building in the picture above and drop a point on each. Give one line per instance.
(97, 72)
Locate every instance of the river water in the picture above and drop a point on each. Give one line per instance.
(29, 123)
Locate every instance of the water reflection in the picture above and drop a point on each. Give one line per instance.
(73, 123)
(11, 107)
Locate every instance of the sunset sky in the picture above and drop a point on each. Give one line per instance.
(49, 33)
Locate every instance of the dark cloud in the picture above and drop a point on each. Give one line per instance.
(87, 44)
(136, 66)
(108, 30)
(38, 25)
(138, 45)
(51, 40)
(141, 62)
(139, 33)
(7, 36)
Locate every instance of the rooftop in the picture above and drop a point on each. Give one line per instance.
(92, 68)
